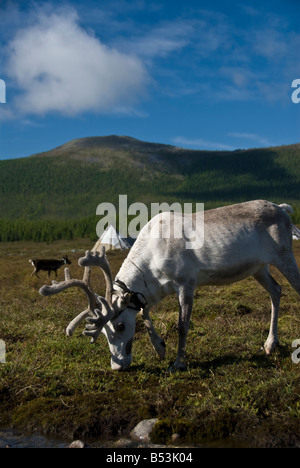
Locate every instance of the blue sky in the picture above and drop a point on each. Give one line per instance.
(196, 74)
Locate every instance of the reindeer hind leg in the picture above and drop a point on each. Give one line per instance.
(35, 272)
(288, 267)
(265, 279)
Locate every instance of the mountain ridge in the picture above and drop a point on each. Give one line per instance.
(69, 181)
(109, 141)
(128, 142)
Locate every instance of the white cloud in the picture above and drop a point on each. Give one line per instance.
(159, 41)
(203, 36)
(251, 137)
(59, 67)
(199, 143)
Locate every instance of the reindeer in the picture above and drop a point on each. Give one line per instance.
(240, 240)
(48, 265)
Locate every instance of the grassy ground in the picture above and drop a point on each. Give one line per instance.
(64, 386)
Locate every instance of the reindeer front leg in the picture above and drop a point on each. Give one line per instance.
(185, 297)
(157, 342)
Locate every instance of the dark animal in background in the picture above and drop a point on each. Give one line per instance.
(48, 265)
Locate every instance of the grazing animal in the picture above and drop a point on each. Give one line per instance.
(48, 265)
(240, 240)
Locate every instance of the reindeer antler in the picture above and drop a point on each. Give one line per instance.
(59, 286)
(100, 260)
(84, 284)
(100, 310)
(96, 323)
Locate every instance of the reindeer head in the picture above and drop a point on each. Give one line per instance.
(66, 260)
(116, 318)
(113, 315)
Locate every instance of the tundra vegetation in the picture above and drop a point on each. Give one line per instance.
(66, 387)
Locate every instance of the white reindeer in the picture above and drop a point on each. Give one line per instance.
(241, 240)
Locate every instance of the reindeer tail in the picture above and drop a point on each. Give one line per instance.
(295, 231)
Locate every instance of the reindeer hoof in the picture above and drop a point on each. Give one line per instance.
(270, 346)
(177, 366)
(172, 369)
(161, 350)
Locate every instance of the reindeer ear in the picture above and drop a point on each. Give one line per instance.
(120, 300)
(126, 297)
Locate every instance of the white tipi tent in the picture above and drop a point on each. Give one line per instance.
(112, 240)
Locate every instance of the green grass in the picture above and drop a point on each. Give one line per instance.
(64, 386)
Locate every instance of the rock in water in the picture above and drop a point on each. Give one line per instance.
(142, 431)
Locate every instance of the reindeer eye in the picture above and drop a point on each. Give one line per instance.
(120, 327)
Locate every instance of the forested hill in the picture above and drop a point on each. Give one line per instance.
(70, 181)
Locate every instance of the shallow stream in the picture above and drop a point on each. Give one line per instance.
(16, 439)
(12, 438)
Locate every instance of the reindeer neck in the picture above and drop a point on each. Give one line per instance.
(139, 279)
